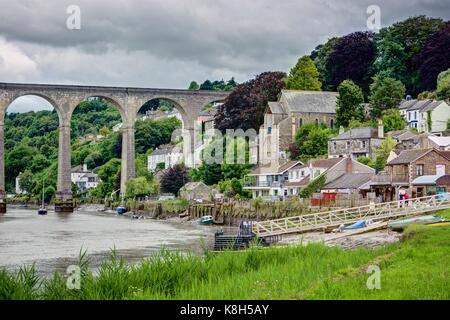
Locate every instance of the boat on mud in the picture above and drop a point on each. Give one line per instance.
(206, 221)
(424, 220)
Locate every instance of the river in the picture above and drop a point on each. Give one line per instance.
(53, 242)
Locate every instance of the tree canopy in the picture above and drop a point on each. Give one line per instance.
(349, 103)
(304, 76)
(244, 107)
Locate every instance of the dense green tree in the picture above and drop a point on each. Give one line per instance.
(194, 86)
(312, 140)
(443, 85)
(392, 121)
(304, 76)
(383, 152)
(349, 103)
(17, 161)
(151, 134)
(26, 182)
(385, 93)
(108, 174)
(320, 57)
(397, 45)
(139, 187)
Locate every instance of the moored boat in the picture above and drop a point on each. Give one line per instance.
(425, 220)
(42, 211)
(206, 220)
(121, 210)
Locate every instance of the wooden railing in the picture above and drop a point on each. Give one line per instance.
(375, 212)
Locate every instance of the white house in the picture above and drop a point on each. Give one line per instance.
(168, 154)
(18, 188)
(429, 116)
(275, 181)
(84, 178)
(272, 182)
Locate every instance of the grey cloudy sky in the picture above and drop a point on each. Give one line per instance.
(168, 43)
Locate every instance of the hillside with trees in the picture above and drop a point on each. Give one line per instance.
(31, 146)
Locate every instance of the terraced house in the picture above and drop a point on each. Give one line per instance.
(408, 169)
(429, 116)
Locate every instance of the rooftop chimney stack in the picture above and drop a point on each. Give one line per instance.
(380, 129)
(341, 130)
(85, 167)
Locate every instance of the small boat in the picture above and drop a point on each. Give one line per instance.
(358, 225)
(42, 211)
(121, 210)
(425, 220)
(206, 220)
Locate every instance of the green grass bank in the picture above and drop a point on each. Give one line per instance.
(415, 268)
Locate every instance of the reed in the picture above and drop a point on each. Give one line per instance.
(415, 268)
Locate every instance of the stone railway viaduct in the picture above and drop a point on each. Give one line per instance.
(65, 99)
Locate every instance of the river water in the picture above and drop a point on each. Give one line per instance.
(53, 242)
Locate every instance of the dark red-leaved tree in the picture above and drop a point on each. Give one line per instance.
(174, 179)
(352, 58)
(245, 106)
(434, 57)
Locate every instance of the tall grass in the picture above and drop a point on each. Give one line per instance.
(415, 268)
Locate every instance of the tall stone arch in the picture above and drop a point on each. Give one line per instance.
(65, 98)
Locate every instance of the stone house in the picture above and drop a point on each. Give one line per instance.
(196, 191)
(408, 166)
(355, 143)
(426, 115)
(283, 118)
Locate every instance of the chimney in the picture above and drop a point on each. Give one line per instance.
(408, 97)
(380, 129)
(341, 130)
(85, 167)
(349, 166)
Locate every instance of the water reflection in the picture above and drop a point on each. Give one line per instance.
(53, 242)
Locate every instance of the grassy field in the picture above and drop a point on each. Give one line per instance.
(415, 268)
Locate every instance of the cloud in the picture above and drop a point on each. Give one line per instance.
(168, 43)
(15, 65)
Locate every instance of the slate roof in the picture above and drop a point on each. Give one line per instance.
(425, 180)
(408, 156)
(349, 181)
(164, 149)
(440, 141)
(78, 169)
(275, 168)
(357, 133)
(309, 101)
(276, 108)
(420, 105)
(301, 183)
(402, 135)
(325, 163)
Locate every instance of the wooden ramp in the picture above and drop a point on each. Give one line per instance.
(376, 212)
